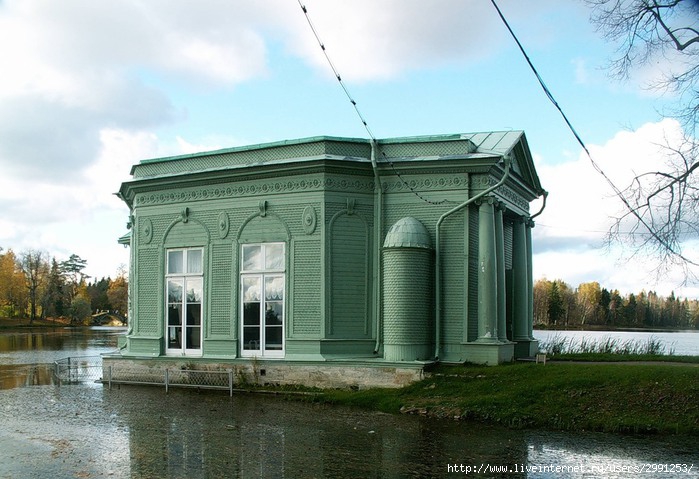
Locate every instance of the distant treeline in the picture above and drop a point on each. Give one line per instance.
(557, 304)
(34, 285)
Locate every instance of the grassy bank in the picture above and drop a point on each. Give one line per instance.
(657, 398)
(615, 358)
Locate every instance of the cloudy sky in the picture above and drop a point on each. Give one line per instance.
(90, 88)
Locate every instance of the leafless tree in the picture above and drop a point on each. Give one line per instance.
(35, 268)
(661, 206)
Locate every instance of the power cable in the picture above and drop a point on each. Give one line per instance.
(335, 71)
(356, 108)
(597, 168)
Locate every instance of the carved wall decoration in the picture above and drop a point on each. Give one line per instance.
(147, 231)
(224, 225)
(350, 206)
(512, 197)
(309, 219)
(185, 214)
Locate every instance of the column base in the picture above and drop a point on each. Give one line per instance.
(525, 348)
(488, 353)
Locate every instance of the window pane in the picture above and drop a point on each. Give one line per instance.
(174, 262)
(194, 290)
(194, 261)
(174, 314)
(174, 291)
(193, 314)
(251, 314)
(251, 338)
(274, 256)
(274, 288)
(273, 338)
(252, 258)
(251, 288)
(273, 315)
(173, 337)
(193, 338)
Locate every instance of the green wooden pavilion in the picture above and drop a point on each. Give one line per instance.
(333, 260)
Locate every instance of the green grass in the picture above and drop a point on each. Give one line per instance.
(615, 357)
(572, 397)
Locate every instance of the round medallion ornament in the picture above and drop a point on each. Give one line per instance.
(308, 220)
(224, 225)
(147, 231)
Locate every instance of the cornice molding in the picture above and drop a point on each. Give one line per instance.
(278, 186)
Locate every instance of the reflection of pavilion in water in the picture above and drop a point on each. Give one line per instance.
(264, 437)
(259, 437)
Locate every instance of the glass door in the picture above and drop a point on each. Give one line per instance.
(185, 291)
(262, 298)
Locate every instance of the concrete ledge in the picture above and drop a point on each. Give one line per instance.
(354, 374)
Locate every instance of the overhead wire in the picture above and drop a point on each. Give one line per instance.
(356, 107)
(595, 165)
(335, 71)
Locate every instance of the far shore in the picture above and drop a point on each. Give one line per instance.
(12, 323)
(606, 327)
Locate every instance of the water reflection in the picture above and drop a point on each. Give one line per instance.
(26, 355)
(253, 436)
(210, 435)
(142, 432)
(24, 375)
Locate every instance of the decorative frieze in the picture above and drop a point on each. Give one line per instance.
(426, 184)
(453, 182)
(509, 194)
(208, 193)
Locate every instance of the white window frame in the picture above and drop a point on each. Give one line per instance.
(187, 279)
(266, 276)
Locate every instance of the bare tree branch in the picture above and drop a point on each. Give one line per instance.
(661, 207)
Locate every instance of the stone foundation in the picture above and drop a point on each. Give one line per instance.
(196, 372)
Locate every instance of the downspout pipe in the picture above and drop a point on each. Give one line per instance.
(546, 195)
(378, 215)
(438, 255)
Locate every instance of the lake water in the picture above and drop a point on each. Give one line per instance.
(142, 432)
(682, 343)
(27, 355)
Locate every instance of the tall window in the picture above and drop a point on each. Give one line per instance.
(262, 283)
(185, 290)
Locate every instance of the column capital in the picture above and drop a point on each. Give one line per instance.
(500, 205)
(530, 223)
(490, 200)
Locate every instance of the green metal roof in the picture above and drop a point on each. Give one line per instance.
(408, 233)
(479, 148)
(332, 148)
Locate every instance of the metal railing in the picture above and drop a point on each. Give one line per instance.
(186, 378)
(78, 369)
(82, 369)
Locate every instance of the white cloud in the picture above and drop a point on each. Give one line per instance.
(74, 68)
(569, 237)
(370, 40)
